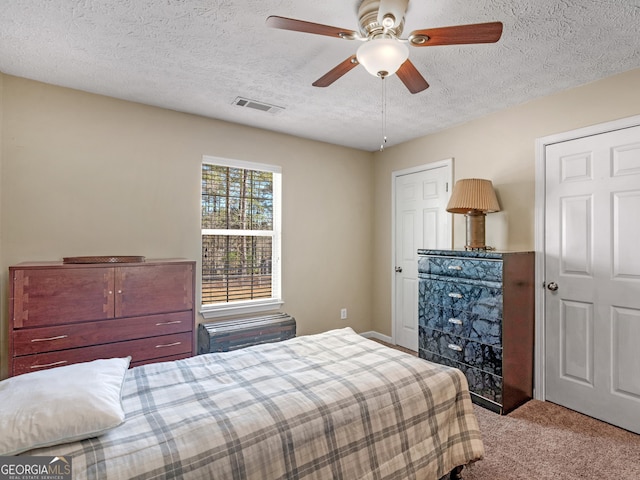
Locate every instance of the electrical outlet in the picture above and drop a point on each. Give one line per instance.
(343, 314)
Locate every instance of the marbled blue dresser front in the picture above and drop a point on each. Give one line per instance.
(476, 313)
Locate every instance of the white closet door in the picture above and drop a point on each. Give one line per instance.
(592, 275)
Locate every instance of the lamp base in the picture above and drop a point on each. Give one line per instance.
(475, 230)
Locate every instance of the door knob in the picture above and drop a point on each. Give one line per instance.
(398, 269)
(553, 286)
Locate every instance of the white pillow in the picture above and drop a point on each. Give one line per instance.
(61, 404)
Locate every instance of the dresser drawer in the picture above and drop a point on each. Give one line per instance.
(485, 357)
(474, 269)
(140, 351)
(47, 339)
(459, 322)
(479, 299)
(481, 383)
(169, 358)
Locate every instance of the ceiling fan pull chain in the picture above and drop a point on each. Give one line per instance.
(384, 113)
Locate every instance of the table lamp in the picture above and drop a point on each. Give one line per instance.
(475, 198)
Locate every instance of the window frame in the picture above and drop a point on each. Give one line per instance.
(263, 304)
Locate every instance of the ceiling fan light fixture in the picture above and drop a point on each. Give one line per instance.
(382, 57)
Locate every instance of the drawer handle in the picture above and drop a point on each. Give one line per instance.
(59, 337)
(455, 295)
(48, 364)
(454, 267)
(457, 348)
(169, 345)
(168, 323)
(455, 321)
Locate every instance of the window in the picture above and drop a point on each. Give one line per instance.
(240, 237)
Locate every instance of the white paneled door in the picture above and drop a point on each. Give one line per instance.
(421, 221)
(592, 276)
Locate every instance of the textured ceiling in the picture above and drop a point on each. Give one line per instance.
(197, 56)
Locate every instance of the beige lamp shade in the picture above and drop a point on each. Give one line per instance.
(473, 194)
(474, 197)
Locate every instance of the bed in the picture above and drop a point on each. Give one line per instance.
(328, 406)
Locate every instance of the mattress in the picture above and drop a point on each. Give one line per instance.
(331, 405)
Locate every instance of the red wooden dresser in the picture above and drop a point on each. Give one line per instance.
(68, 313)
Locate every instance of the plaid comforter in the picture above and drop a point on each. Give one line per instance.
(327, 406)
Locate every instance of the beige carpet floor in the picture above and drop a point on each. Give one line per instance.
(544, 441)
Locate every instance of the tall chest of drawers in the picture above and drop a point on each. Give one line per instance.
(476, 313)
(61, 314)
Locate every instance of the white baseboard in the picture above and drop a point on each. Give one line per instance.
(378, 336)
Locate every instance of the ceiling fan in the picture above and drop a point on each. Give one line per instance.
(384, 52)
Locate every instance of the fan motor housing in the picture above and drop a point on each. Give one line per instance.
(368, 20)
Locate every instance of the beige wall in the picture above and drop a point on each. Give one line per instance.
(499, 147)
(83, 174)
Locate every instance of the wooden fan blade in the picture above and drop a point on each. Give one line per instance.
(336, 72)
(457, 35)
(411, 77)
(309, 27)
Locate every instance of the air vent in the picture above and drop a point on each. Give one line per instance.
(263, 107)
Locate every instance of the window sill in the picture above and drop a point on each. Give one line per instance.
(241, 309)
